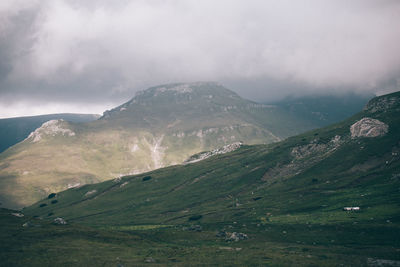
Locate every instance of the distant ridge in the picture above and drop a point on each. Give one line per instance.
(14, 130)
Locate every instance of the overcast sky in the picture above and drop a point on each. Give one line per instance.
(88, 56)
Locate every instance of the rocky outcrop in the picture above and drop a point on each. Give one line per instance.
(27, 224)
(232, 236)
(123, 184)
(237, 236)
(52, 128)
(300, 152)
(59, 221)
(382, 104)
(88, 193)
(150, 260)
(222, 150)
(303, 157)
(179, 88)
(315, 148)
(368, 127)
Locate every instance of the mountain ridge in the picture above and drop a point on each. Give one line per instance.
(180, 121)
(15, 130)
(288, 159)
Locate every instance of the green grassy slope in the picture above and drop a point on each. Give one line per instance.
(287, 197)
(159, 127)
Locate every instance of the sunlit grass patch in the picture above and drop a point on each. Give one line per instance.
(136, 227)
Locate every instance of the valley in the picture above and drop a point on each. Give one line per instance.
(199, 133)
(274, 204)
(161, 126)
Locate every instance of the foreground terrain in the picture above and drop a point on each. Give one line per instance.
(274, 244)
(277, 204)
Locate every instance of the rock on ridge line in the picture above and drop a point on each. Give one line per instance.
(382, 104)
(205, 155)
(52, 127)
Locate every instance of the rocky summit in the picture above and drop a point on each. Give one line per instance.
(52, 127)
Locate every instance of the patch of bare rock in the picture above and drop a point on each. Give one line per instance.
(368, 127)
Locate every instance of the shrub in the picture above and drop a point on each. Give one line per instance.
(54, 201)
(195, 217)
(42, 205)
(146, 178)
(51, 195)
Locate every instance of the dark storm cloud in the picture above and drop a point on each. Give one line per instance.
(94, 53)
(15, 37)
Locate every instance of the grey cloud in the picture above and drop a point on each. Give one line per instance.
(102, 51)
(15, 37)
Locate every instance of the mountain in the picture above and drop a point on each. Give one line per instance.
(160, 126)
(328, 197)
(182, 109)
(15, 130)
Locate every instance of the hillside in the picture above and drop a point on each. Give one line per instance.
(319, 160)
(277, 204)
(15, 130)
(160, 126)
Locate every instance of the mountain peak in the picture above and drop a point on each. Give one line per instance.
(194, 89)
(178, 88)
(193, 94)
